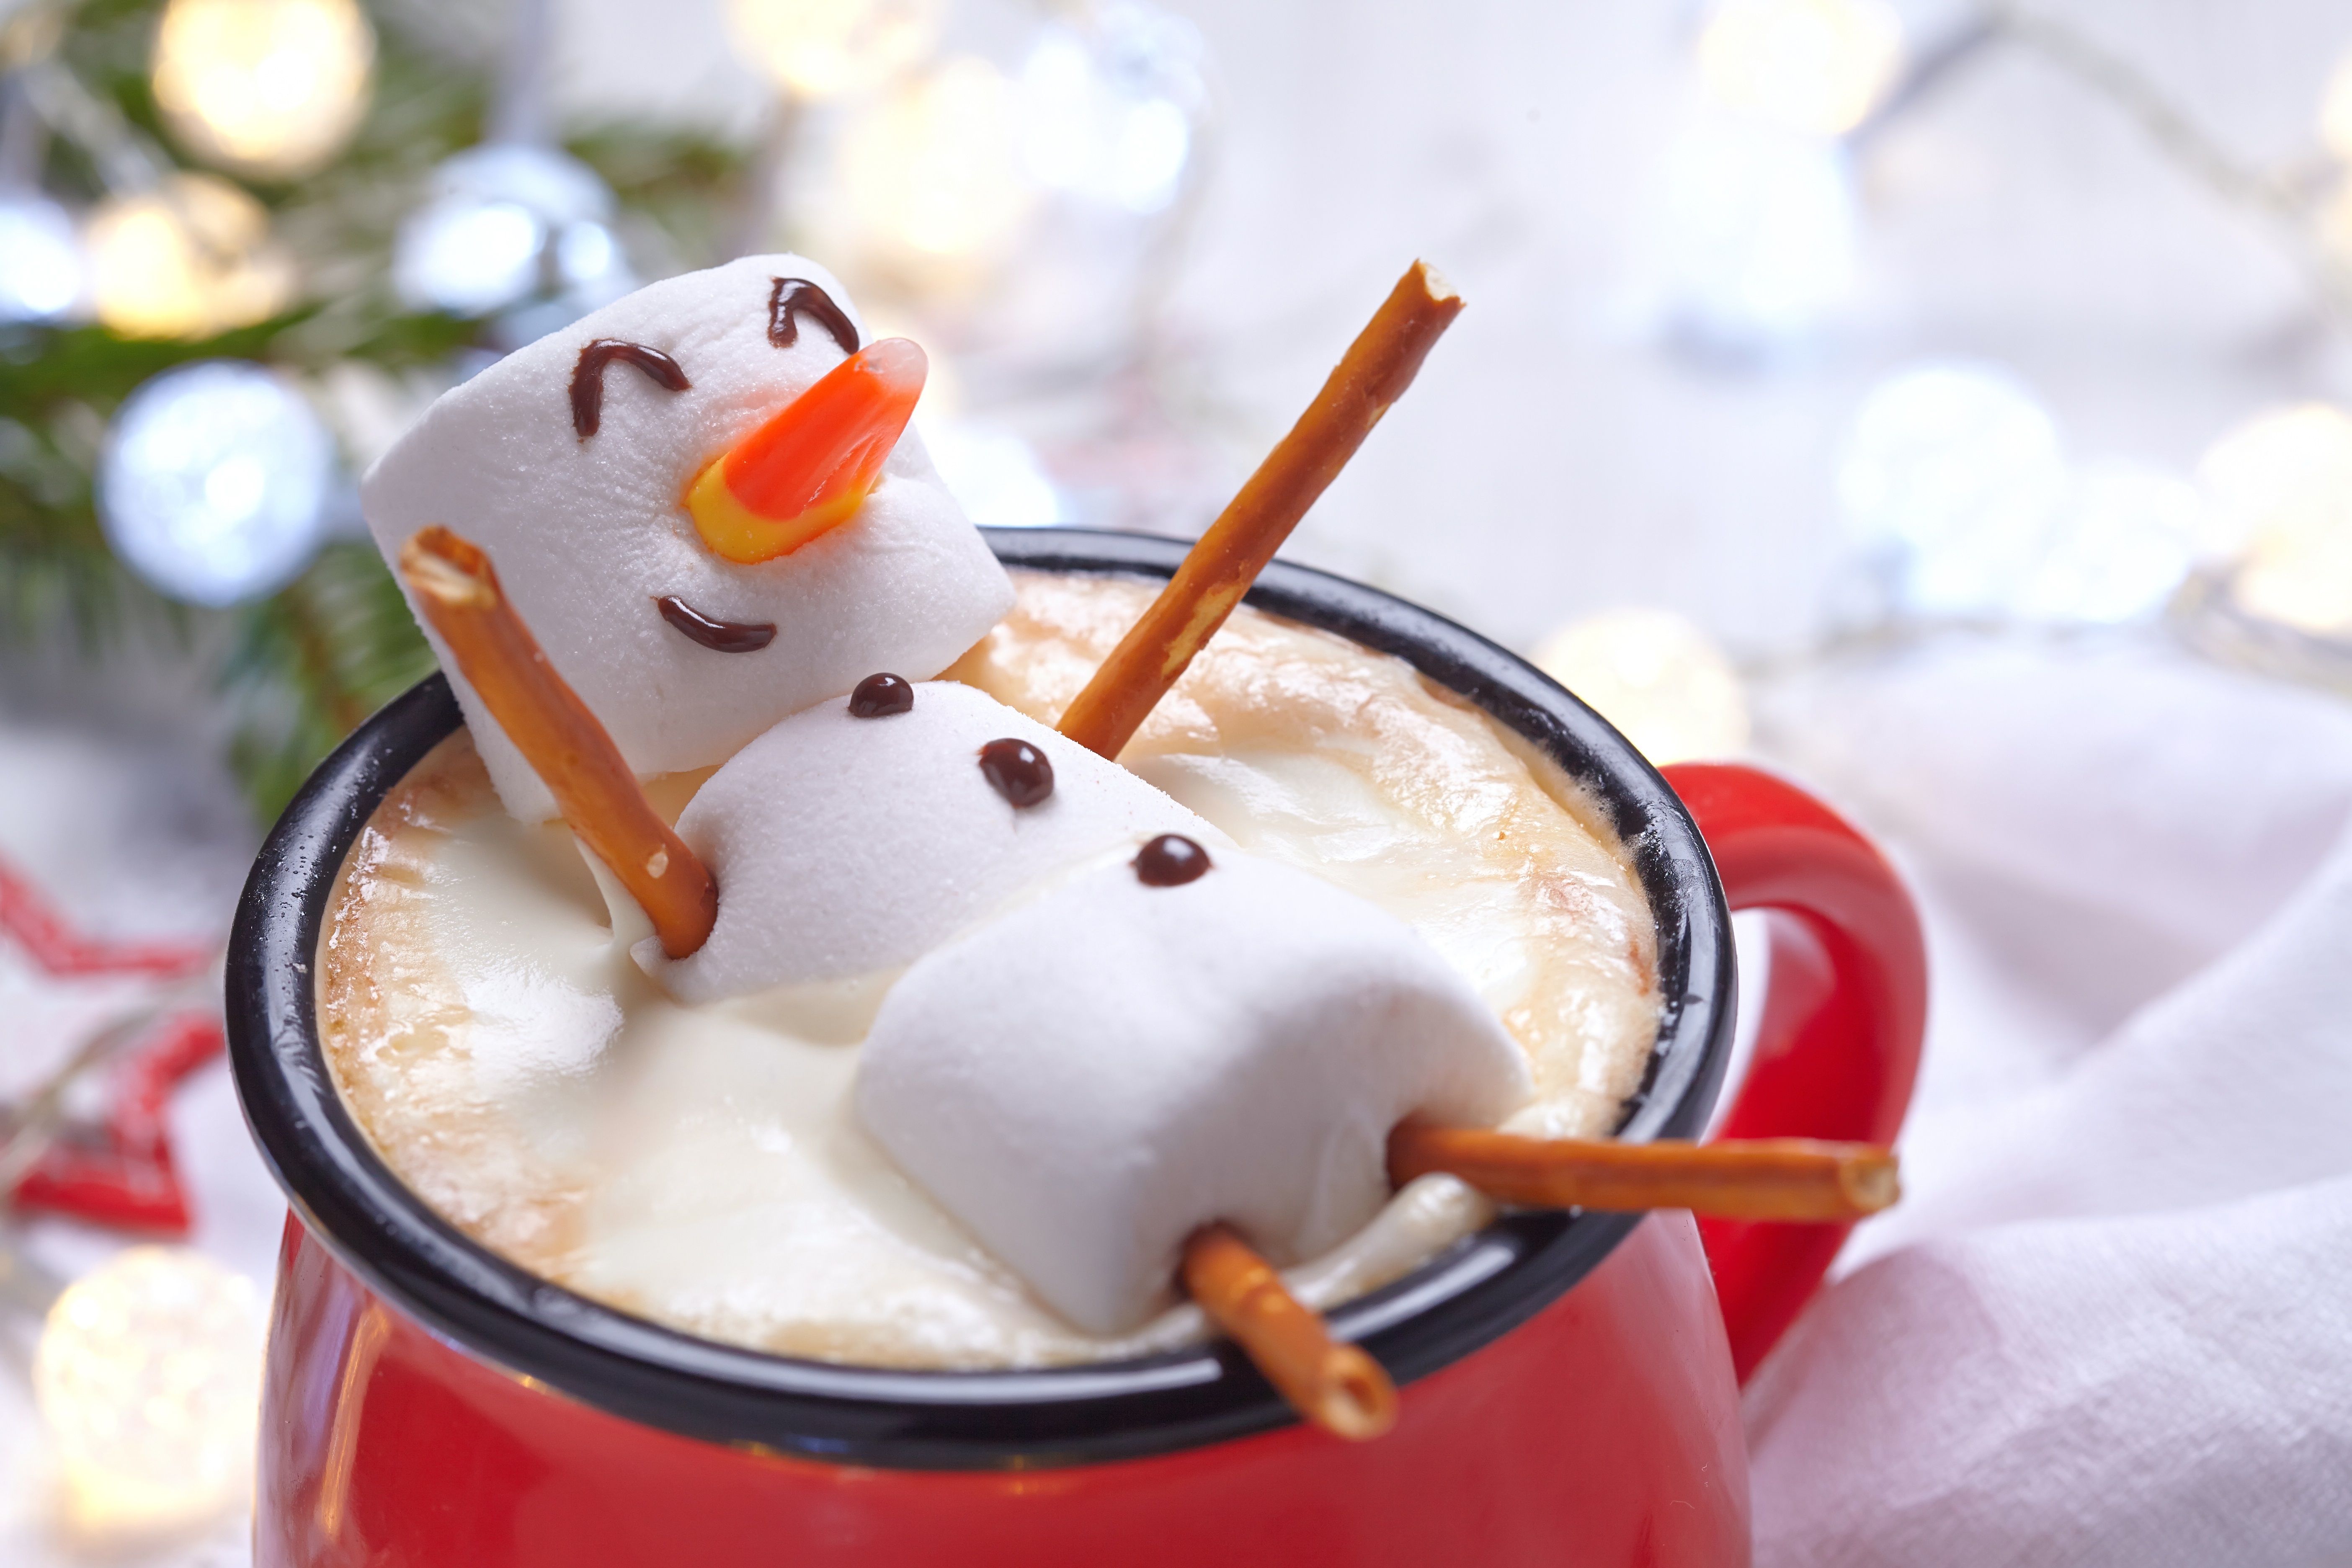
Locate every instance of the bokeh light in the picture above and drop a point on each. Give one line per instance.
(148, 1375)
(1954, 472)
(824, 48)
(1815, 66)
(215, 481)
(994, 473)
(188, 260)
(2124, 539)
(1759, 235)
(40, 259)
(509, 222)
(1106, 108)
(2281, 486)
(2336, 110)
(267, 88)
(934, 170)
(1655, 676)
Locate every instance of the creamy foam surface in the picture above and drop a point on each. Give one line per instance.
(702, 1166)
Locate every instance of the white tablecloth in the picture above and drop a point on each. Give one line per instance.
(2111, 1323)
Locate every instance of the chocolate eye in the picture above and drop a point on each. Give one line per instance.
(588, 378)
(880, 696)
(794, 296)
(1169, 860)
(1017, 771)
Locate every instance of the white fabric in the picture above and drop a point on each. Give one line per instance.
(2111, 1322)
(587, 534)
(1090, 1078)
(842, 847)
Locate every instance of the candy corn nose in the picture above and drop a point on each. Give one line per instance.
(809, 467)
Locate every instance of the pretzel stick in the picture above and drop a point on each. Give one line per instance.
(1336, 1386)
(1767, 1178)
(1380, 364)
(594, 786)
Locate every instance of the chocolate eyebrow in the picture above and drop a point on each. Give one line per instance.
(792, 297)
(588, 378)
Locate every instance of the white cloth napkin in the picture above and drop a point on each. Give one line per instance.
(2112, 1321)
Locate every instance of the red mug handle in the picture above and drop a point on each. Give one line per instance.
(1838, 1045)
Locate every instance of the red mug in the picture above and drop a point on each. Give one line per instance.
(1570, 1380)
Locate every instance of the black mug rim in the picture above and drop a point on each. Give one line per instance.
(1470, 1294)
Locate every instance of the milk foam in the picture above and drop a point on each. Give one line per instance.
(703, 1166)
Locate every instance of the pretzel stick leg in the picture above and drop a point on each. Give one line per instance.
(599, 795)
(1336, 1386)
(1768, 1178)
(1379, 365)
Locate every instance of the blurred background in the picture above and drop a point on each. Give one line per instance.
(1940, 400)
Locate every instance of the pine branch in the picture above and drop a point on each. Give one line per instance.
(311, 663)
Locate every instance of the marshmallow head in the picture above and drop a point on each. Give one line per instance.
(575, 475)
(1090, 1078)
(844, 845)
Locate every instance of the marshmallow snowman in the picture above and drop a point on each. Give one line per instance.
(583, 464)
(844, 846)
(1089, 1078)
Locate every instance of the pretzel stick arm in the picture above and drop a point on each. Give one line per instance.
(1336, 1386)
(1768, 1179)
(458, 590)
(1378, 367)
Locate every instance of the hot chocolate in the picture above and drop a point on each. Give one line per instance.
(701, 1163)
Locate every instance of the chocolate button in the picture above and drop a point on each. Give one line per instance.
(879, 695)
(1169, 860)
(1017, 771)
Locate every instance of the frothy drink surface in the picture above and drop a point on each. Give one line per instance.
(701, 1166)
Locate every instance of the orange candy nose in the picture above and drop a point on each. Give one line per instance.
(809, 467)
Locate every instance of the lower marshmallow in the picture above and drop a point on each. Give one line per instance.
(1091, 1076)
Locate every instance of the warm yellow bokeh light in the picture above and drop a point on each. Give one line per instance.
(1817, 65)
(2336, 110)
(823, 49)
(149, 1380)
(2281, 485)
(268, 88)
(189, 259)
(942, 382)
(1655, 676)
(934, 172)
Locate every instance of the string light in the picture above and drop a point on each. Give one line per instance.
(2281, 485)
(1106, 108)
(2125, 537)
(512, 225)
(1953, 474)
(995, 473)
(2336, 112)
(148, 1376)
(1759, 231)
(1813, 65)
(934, 171)
(1657, 678)
(268, 88)
(188, 260)
(41, 263)
(825, 49)
(215, 481)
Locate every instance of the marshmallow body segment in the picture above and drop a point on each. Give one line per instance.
(844, 846)
(1089, 1078)
(591, 532)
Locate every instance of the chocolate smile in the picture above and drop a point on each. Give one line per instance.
(718, 636)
